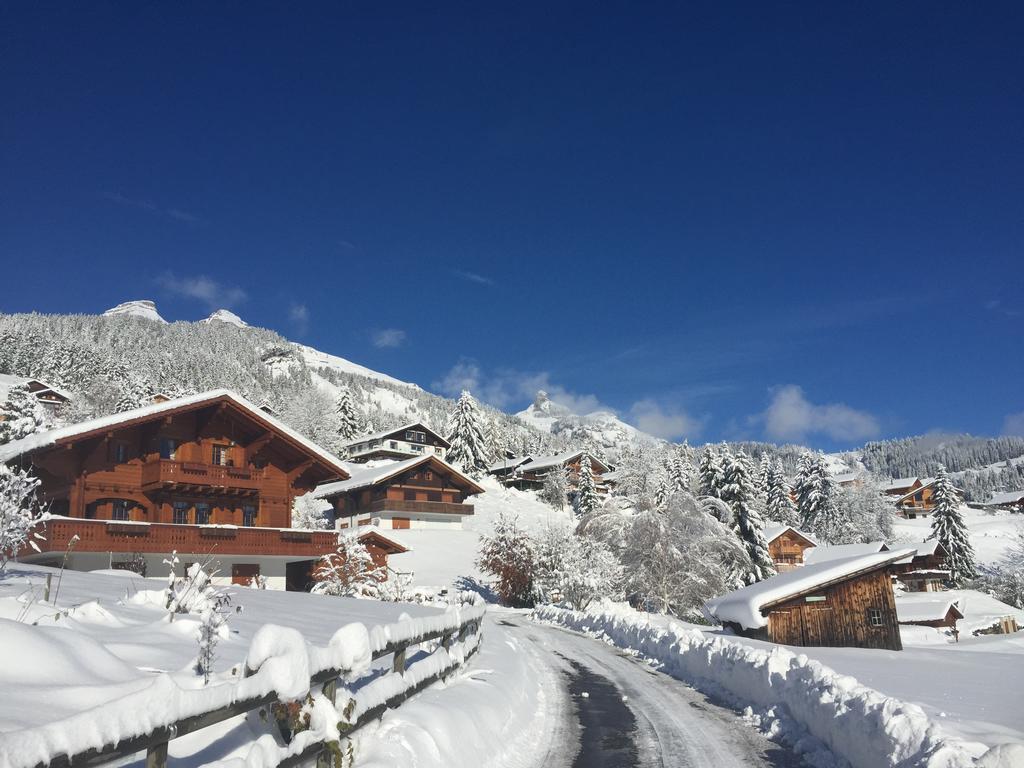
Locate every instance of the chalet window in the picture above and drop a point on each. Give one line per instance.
(410, 495)
(433, 495)
(438, 451)
(428, 475)
(168, 446)
(222, 455)
(875, 617)
(248, 515)
(416, 437)
(180, 513)
(417, 448)
(119, 510)
(393, 444)
(202, 513)
(119, 452)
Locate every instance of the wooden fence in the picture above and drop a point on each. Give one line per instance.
(458, 637)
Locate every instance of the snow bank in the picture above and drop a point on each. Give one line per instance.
(857, 723)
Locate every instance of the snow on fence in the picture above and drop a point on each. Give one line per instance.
(280, 667)
(861, 725)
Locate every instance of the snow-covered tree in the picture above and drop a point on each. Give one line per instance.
(817, 504)
(779, 505)
(740, 493)
(465, 433)
(764, 473)
(507, 555)
(949, 530)
(21, 415)
(680, 472)
(349, 571)
(573, 568)
(587, 497)
(310, 513)
(555, 489)
(1005, 579)
(869, 511)
(346, 418)
(711, 472)
(20, 512)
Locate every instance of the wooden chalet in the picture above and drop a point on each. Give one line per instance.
(531, 471)
(787, 545)
(415, 439)
(419, 493)
(925, 570)
(1011, 501)
(48, 396)
(847, 602)
(209, 475)
(928, 612)
(913, 496)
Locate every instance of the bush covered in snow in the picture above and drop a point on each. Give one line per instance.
(349, 571)
(20, 512)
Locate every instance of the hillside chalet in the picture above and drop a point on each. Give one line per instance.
(787, 545)
(925, 570)
(418, 493)
(928, 612)
(847, 602)
(1011, 501)
(206, 475)
(48, 396)
(912, 495)
(530, 472)
(413, 439)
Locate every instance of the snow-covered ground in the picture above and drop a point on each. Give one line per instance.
(991, 532)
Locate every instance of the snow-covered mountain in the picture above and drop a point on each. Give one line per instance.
(600, 427)
(225, 316)
(139, 307)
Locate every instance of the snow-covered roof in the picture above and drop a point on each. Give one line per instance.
(1006, 497)
(838, 551)
(847, 477)
(51, 437)
(898, 483)
(9, 382)
(366, 475)
(385, 433)
(772, 532)
(911, 608)
(559, 459)
(744, 606)
(924, 549)
(365, 531)
(505, 464)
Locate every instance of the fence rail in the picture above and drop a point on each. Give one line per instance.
(458, 633)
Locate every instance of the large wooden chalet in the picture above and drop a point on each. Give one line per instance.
(415, 439)
(529, 472)
(209, 475)
(417, 493)
(844, 602)
(787, 545)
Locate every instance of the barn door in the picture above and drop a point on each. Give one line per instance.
(818, 624)
(786, 627)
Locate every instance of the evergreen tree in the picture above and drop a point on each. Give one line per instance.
(764, 472)
(468, 447)
(817, 503)
(680, 472)
(22, 415)
(587, 498)
(740, 493)
(779, 506)
(949, 529)
(346, 417)
(712, 472)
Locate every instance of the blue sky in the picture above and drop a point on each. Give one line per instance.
(793, 223)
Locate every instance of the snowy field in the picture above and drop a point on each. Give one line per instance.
(115, 640)
(991, 532)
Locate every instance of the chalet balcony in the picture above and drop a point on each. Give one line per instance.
(186, 476)
(421, 507)
(124, 536)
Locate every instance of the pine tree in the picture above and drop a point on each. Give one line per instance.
(468, 448)
(740, 493)
(817, 503)
(711, 471)
(22, 415)
(949, 530)
(764, 472)
(346, 417)
(680, 472)
(587, 498)
(779, 506)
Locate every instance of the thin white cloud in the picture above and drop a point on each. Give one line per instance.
(202, 288)
(791, 416)
(388, 338)
(298, 315)
(507, 387)
(667, 422)
(145, 205)
(1013, 425)
(473, 277)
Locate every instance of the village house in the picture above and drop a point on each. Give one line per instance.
(51, 398)
(211, 476)
(530, 472)
(821, 554)
(787, 545)
(913, 496)
(418, 493)
(928, 612)
(846, 602)
(1011, 501)
(413, 439)
(925, 570)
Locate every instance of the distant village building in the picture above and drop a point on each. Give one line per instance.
(413, 439)
(912, 495)
(823, 554)
(925, 570)
(852, 478)
(48, 396)
(843, 602)
(210, 476)
(418, 493)
(787, 545)
(1011, 501)
(529, 472)
(928, 612)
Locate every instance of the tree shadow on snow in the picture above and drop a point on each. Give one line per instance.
(469, 584)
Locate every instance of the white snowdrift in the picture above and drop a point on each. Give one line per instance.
(857, 723)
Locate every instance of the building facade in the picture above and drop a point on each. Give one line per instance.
(414, 439)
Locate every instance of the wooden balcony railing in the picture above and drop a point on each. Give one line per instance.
(126, 536)
(423, 507)
(163, 472)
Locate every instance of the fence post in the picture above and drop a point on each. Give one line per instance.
(156, 756)
(399, 663)
(46, 591)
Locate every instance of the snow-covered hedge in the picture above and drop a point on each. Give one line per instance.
(857, 723)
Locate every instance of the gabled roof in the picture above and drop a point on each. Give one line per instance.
(911, 609)
(363, 476)
(384, 539)
(839, 551)
(389, 432)
(73, 432)
(772, 532)
(560, 459)
(898, 483)
(747, 606)
(38, 388)
(1006, 497)
(926, 482)
(506, 464)
(924, 549)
